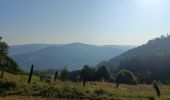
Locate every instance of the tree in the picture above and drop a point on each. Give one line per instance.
(84, 74)
(73, 75)
(6, 63)
(64, 74)
(3, 48)
(3, 64)
(125, 76)
(12, 66)
(87, 74)
(103, 72)
(3, 56)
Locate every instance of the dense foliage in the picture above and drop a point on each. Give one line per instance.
(125, 76)
(74, 74)
(103, 73)
(88, 73)
(151, 67)
(6, 63)
(148, 62)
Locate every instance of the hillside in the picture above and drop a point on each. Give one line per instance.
(149, 61)
(73, 55)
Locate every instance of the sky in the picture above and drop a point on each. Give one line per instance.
(100, 22)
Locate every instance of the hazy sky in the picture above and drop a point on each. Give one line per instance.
(88, 21)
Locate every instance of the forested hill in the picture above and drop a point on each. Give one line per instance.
(74, 55)
(149, 61)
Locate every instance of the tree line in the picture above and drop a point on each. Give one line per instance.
(150, 67)
(89, 74)
(148, 62)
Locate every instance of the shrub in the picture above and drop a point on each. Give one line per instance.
(125, 76)
(5, 86)
(98, 94)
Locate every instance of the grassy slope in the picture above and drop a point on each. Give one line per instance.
(18, 78)
(69, 90)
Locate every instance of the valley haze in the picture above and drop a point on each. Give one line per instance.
(57, 56)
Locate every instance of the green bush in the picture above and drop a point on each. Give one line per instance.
(99, 92)
(6, 86)
(125, 76)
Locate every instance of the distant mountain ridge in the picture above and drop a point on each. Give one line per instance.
(18, 49)
(56, 56)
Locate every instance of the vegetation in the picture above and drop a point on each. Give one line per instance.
(64, 75)
(103, 73)
(125, 76)
(87, 74)
(42, 75)
(148, 62)
(75, 90)
(6, 63)
(99, 83)
(74, 74)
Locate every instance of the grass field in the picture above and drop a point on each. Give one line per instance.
(71, 90)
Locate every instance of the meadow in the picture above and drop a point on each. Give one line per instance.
(15, 87)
